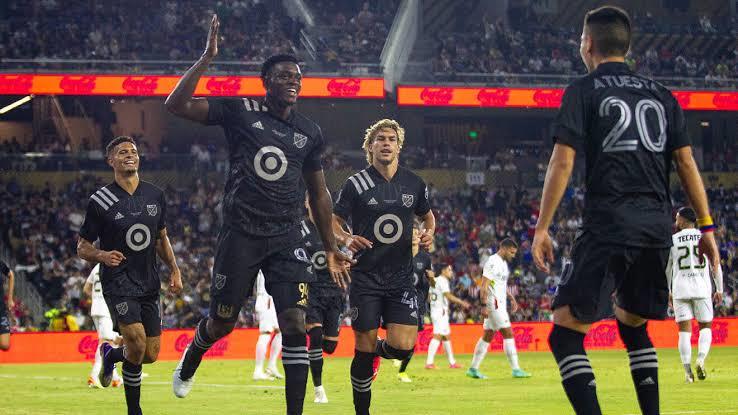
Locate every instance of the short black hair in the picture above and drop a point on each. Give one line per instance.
(275, 59)
(508, 243)
(688, 213)
(610, 30)
(117, 140)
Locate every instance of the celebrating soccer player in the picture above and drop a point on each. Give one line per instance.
(272, 149)
(129, 217)
(630, 129)
(380, 203)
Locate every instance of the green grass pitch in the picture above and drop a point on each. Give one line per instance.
(225, 387)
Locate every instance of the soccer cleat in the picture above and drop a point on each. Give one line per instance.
(701, 372)
(375, 367)
(262, 376)
(404, 378)
(520, 373)
(475, 374)
(396, 362)
(455, 366)
(431, 366)
(116, 383)
(182, 387)
(105, 375)
(320, 396)
(272, 371)
(93, 383)
(689, 378)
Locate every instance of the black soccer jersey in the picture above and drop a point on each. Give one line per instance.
(129, 224)
(267, 159)
(324, 284)
(383, 211)
(4, 272)
(421, 266)
(627, 125)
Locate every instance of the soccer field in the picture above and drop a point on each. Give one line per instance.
(225, 387)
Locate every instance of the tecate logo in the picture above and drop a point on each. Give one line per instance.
(141, 85)
(344, 87)
(223, 85)
(437, 96)
(218, 349)
(87, 346)
(78, 84)
(493, 96)
(16, 84)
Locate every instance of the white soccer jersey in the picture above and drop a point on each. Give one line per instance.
(497, 272)
(260, 285)
(439, 302)
(98, 308)
(688, 273)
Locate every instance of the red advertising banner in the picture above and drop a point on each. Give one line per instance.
(432, 96)
(155, 85)
(80, 346)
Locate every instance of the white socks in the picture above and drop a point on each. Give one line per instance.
(511, 352)
(479, 352)
(449, 352)
(432, 349)
(685, 347)
(703, 345)
(261, 352)
(276, 349)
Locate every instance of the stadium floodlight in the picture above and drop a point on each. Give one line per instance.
(16, 104)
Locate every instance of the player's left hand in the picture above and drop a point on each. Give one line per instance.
(175, 281)
(426, 239)
(11, 303)
(717, 298)
(542, 250)
(338, 266)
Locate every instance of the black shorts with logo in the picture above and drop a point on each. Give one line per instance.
(129, 310)
(238, 259)
(602, 272)
(372, 307)
(325, 310)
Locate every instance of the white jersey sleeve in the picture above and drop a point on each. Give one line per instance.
(98, 308)
(439, 302)
(260, 286)
(497, 272)
(690, 275)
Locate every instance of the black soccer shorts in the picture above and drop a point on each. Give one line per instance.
(371, 307)
(600, 272)
(130, 310)
(325, 310)
(238, 259)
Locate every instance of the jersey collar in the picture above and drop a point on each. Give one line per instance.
(613, 67)
(376, 174)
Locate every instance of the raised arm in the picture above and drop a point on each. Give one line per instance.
(180, 101)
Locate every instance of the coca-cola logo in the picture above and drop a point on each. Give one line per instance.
(228, 85)
(437, 96)
(80, 85)
(344, 87)
(682, 98)
(720, 332)
(218, 349)
(15, 84)
(523, 338)
(88, 346)
(493, 97)
(726, 100)
(141, 85)
(604, 335)
(424, 338)
(550, 98)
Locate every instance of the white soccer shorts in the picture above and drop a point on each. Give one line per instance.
(441, 325)
(697, 308)
(266, 314)
(498, 319)
(104, 326)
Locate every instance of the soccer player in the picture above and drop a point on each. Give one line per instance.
(103, 324)
(422, 276)
(440, 296)
(494, 297)
(630, 129)
(272, 149)
(381, 203)
(129, 217)
(688, 277)
(268, 327)
(6, 306)
(325, 305)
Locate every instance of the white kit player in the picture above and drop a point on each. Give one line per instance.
(494, 297)
(440, 296)
(103, 324)
(688, 275)
(268, 326)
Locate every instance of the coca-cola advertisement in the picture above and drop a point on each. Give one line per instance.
(224, 86)
(549, 98)
(683, 98)
(87, 347)
(16, 84)
(218, 349)
(726, 100)
(493, 97)
(523, 338)
(437, 96)
(344, 87)
(603, 335)
(143, 85)
(78, 85)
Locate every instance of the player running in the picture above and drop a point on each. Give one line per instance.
(272, 149)
(103, 324)
(268, 327)
(688, 277)
(494, 295)
(325, 305)
(630, 129)
(440, 296)
(422, 277)
(381, 203)
(6, 306)
(128, 216)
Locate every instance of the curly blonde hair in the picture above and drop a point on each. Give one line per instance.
(372, 131)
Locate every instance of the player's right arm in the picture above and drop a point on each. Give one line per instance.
(341, 212)
(88, 233)
(180, 101)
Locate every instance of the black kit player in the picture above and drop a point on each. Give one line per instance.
(325, 306)
(6, 306)
(630, 129)
(380, 203)
(128, 217)
(272, 148)
(422, 276)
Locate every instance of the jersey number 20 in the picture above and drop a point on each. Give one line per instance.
(614, 141)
